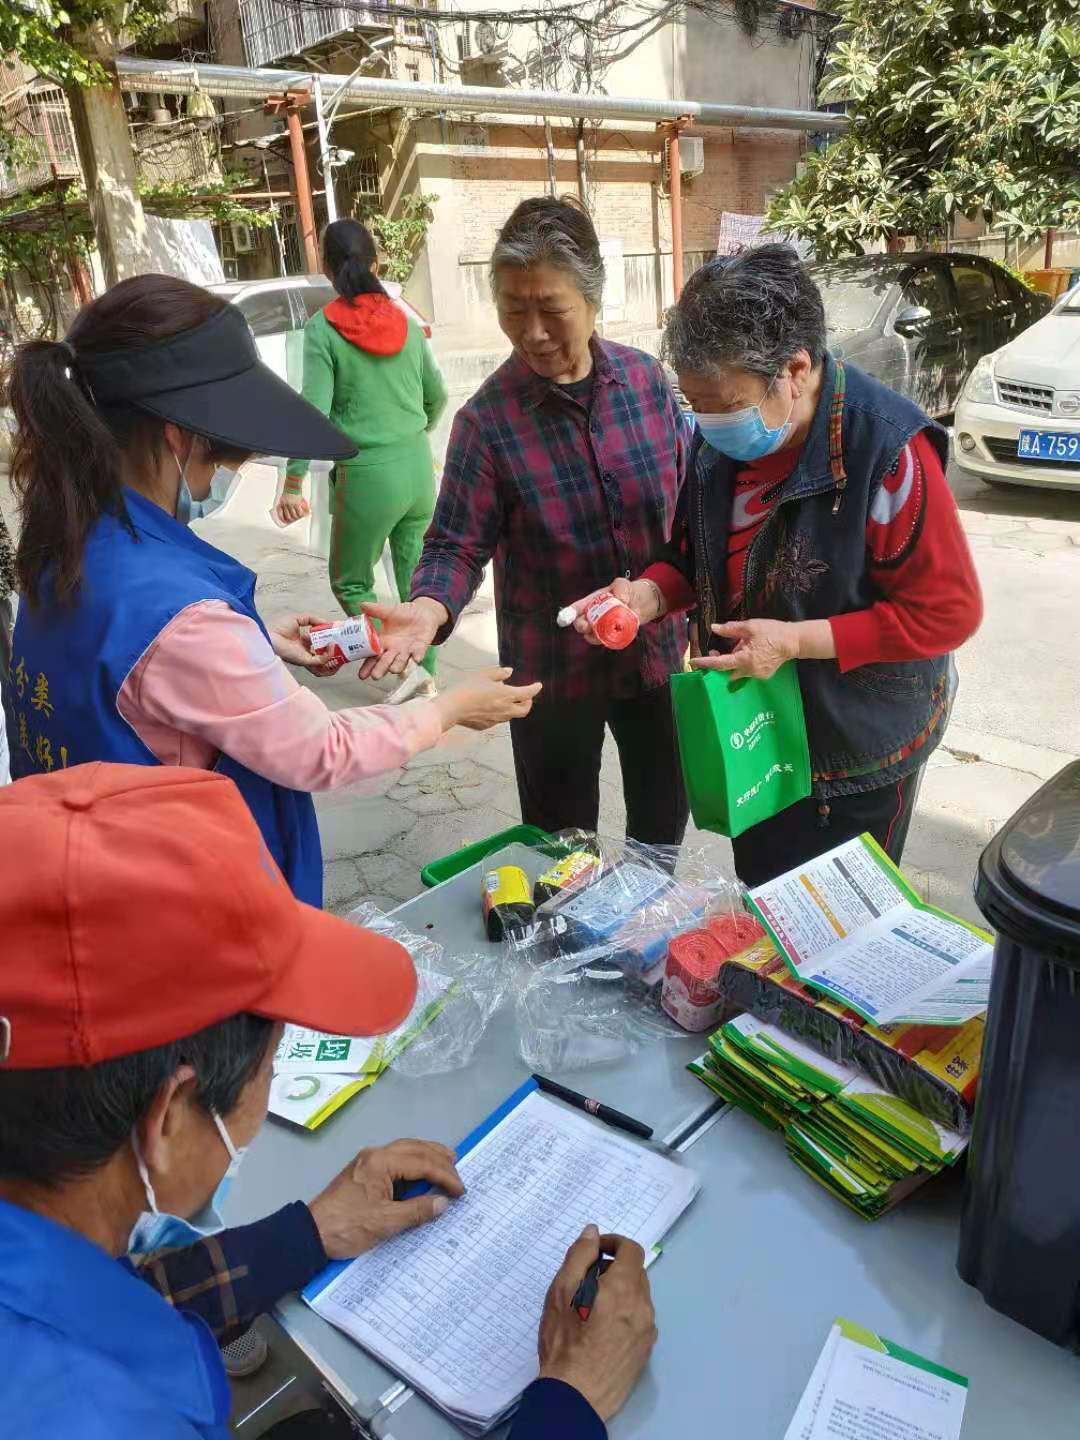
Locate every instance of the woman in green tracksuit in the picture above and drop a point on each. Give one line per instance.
(369, 368)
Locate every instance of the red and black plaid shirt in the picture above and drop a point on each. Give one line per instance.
(230, 1278)
(563, 498)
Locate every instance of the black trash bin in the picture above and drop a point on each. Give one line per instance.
(1020, 1237)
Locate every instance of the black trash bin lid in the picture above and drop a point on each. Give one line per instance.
(1029, 875)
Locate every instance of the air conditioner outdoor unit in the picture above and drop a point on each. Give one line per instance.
(691, 156)
(242, 237)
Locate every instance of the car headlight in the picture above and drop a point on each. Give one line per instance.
(980, 384)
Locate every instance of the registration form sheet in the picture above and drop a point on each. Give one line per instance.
(454, 1307)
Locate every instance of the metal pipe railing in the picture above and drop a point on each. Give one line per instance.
(177, 78)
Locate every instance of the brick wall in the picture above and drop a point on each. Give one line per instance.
(478, 187)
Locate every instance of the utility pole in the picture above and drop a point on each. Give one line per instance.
(108, 163)
(290, 105)
(324, 152)
(674, 130)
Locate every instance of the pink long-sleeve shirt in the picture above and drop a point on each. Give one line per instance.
(210, 684)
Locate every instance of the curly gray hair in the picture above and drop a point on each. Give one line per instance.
(546, 230)
(752, 311)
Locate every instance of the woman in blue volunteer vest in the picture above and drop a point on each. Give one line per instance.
(138, 642)
(816, 525)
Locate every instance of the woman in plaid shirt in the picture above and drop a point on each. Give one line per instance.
(564, 468)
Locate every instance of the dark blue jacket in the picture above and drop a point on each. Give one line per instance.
(96, 1354)
(873, 725)
(71, 661)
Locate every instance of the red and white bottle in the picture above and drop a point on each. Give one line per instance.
(355, 639)
(614, 624)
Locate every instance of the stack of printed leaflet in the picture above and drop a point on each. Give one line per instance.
(865, 1145)
(855, 964)
(315, 1074)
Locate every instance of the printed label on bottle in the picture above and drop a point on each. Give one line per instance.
(349, 640)
(601, 607)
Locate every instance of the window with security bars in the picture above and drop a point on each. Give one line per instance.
(288, 229)
(358, 184)
(416, 26)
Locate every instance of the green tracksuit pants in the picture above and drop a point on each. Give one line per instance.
(386, 494)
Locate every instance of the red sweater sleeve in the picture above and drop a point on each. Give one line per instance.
(676, 589)
(920, 563)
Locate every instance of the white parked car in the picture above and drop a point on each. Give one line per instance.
(1018, 420)
(274, 308)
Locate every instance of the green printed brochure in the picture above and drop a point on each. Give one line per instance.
(315, 1074)
(866, 1388)
(850, 925)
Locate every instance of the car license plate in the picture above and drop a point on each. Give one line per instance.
(1048, 445)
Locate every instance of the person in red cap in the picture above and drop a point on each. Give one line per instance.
(142, 997)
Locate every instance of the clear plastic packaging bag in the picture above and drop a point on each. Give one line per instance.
(591, 964)
(567, 1019)
(621, 911)
(475, 985)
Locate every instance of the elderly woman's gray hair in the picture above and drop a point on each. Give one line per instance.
(549, 231)
(754, 311)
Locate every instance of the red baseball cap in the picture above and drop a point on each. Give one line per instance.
(140, 904)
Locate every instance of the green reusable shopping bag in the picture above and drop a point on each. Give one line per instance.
(743, 746)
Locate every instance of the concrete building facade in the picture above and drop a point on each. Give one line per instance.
(476, 168)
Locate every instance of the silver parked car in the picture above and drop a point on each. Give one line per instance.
(922, 322)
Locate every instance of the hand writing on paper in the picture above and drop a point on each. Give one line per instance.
(358, 1209)
(603, 1356)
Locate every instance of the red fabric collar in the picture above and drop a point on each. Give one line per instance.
(371, 322)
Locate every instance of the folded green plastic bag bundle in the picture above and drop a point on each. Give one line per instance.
(743, 746)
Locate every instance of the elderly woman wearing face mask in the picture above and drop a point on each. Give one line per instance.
(816, 525)
(564, 468)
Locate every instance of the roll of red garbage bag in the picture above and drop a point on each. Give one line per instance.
(691, 989)
(614, 623)
(735, 931)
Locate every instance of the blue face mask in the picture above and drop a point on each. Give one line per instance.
(222, 483)
(743, 435)
(155, 1230)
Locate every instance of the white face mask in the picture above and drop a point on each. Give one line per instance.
(158, 1230)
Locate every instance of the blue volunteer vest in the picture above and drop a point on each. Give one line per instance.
(70, 663)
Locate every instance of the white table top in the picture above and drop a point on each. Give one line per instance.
(750, 1279)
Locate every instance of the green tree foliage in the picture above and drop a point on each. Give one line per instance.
(39, 33)
(35, 236)
(967, 107)
(401, 236)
